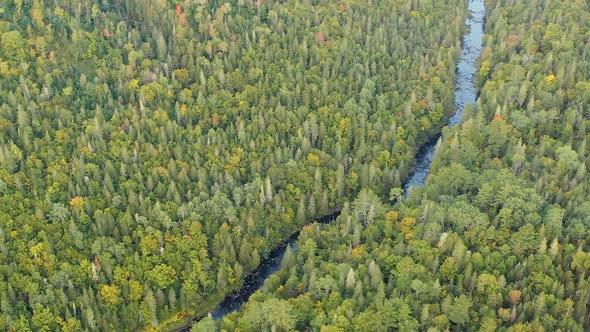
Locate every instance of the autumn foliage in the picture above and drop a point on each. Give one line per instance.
(320, 37)
(181, 15)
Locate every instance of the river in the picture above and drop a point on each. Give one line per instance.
(465, 93)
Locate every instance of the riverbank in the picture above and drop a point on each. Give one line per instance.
(465, 94)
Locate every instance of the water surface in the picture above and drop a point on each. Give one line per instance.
(465, 93)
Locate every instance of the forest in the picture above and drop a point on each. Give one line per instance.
(153, 152)
(496, 239)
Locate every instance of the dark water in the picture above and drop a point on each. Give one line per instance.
(465, 93)
(256, 279)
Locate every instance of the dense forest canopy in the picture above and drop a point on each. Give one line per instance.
(496, 240)
(152, 152)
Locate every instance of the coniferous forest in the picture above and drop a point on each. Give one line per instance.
(153, 153)
(496, 240)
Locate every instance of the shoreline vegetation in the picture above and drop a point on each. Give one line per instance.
(189, 319)
(153, 152)
(496, 239)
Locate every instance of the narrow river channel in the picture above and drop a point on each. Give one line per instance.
(465, 93)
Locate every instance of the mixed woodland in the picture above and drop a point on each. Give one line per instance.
(153, 152)
(496, 239)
